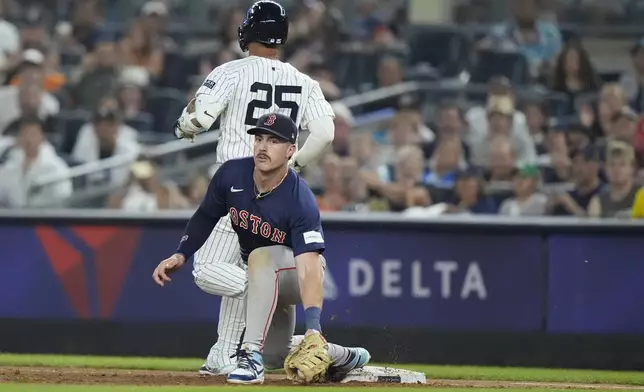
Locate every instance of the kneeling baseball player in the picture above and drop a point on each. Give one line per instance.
(277, 221)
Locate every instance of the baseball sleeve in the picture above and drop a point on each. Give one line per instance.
(213, 96)
(306, 226)
(211, 209)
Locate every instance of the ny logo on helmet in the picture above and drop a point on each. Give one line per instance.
(270, 120)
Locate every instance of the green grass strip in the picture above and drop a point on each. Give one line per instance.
(432, 371)
(108, 388)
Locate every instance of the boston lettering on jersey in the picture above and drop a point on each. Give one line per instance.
(287, 216)
(257, 226)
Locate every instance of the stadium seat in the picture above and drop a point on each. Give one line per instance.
(490, 63)
(68, 124)
(165, 105)
(445, 48)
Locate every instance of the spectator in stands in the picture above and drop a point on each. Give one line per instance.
(140, 49)
(390, 71)
(611, 100)
(622, 127)
(35, 66)
(87, 132)
(400, 133)
(34, 159)
(356, 190)
(98, 77)
(28, 99)
(536, 115)
(574, 74)
(477, 116)
(445, 163)
(633, 82)
(585, 175)
(343, 121)
(321, 72)
(104, 140)
(145, 193)
(469, 196)
(450, 123)
(578, 137)
(33, 31)
(616, 200)
(638, 144)
(502, 161)
(538, 40)
(197, 187)
(131, 94)
(87, 23)
(154, 20)
(408, 173)
(526, 201)
(556, 163)
(363, 149)
(307, 20)
(500, 111)
(334, 196)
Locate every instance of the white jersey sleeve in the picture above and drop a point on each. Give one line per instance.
(316, 106)
(216, 92)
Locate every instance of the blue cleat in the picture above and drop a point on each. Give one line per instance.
(249, 370)
(358, 358)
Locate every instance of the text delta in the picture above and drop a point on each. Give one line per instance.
(362, 279)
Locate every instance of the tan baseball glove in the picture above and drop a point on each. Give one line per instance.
(309, 362)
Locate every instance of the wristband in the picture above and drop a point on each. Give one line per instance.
(312, 316)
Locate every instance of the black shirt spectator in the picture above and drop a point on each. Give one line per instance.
(585, 174)
(574, 74)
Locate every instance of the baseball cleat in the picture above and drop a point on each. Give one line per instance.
(249, 370)
(358, 357)
(206, 370)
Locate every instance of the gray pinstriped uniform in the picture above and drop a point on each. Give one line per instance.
(247, 89)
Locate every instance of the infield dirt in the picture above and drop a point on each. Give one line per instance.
(68, 375)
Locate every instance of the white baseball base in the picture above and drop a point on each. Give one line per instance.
(384, 375)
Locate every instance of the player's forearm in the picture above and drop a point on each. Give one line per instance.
(321, 135)
(196, 233)
(310, 278)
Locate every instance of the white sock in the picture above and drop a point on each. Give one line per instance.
(338, 354)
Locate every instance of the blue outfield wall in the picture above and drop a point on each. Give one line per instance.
(452, 276)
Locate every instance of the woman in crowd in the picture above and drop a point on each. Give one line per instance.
(574, 74)
(138, 49)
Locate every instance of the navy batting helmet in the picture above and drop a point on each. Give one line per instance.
(266, 22)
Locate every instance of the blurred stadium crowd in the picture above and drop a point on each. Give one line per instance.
(502, 111)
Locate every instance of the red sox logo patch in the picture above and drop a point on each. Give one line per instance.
(270, 120)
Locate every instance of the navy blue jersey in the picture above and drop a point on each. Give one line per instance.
(287, 216)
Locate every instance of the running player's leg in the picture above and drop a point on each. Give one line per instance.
(219, 270)
(273, 288)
